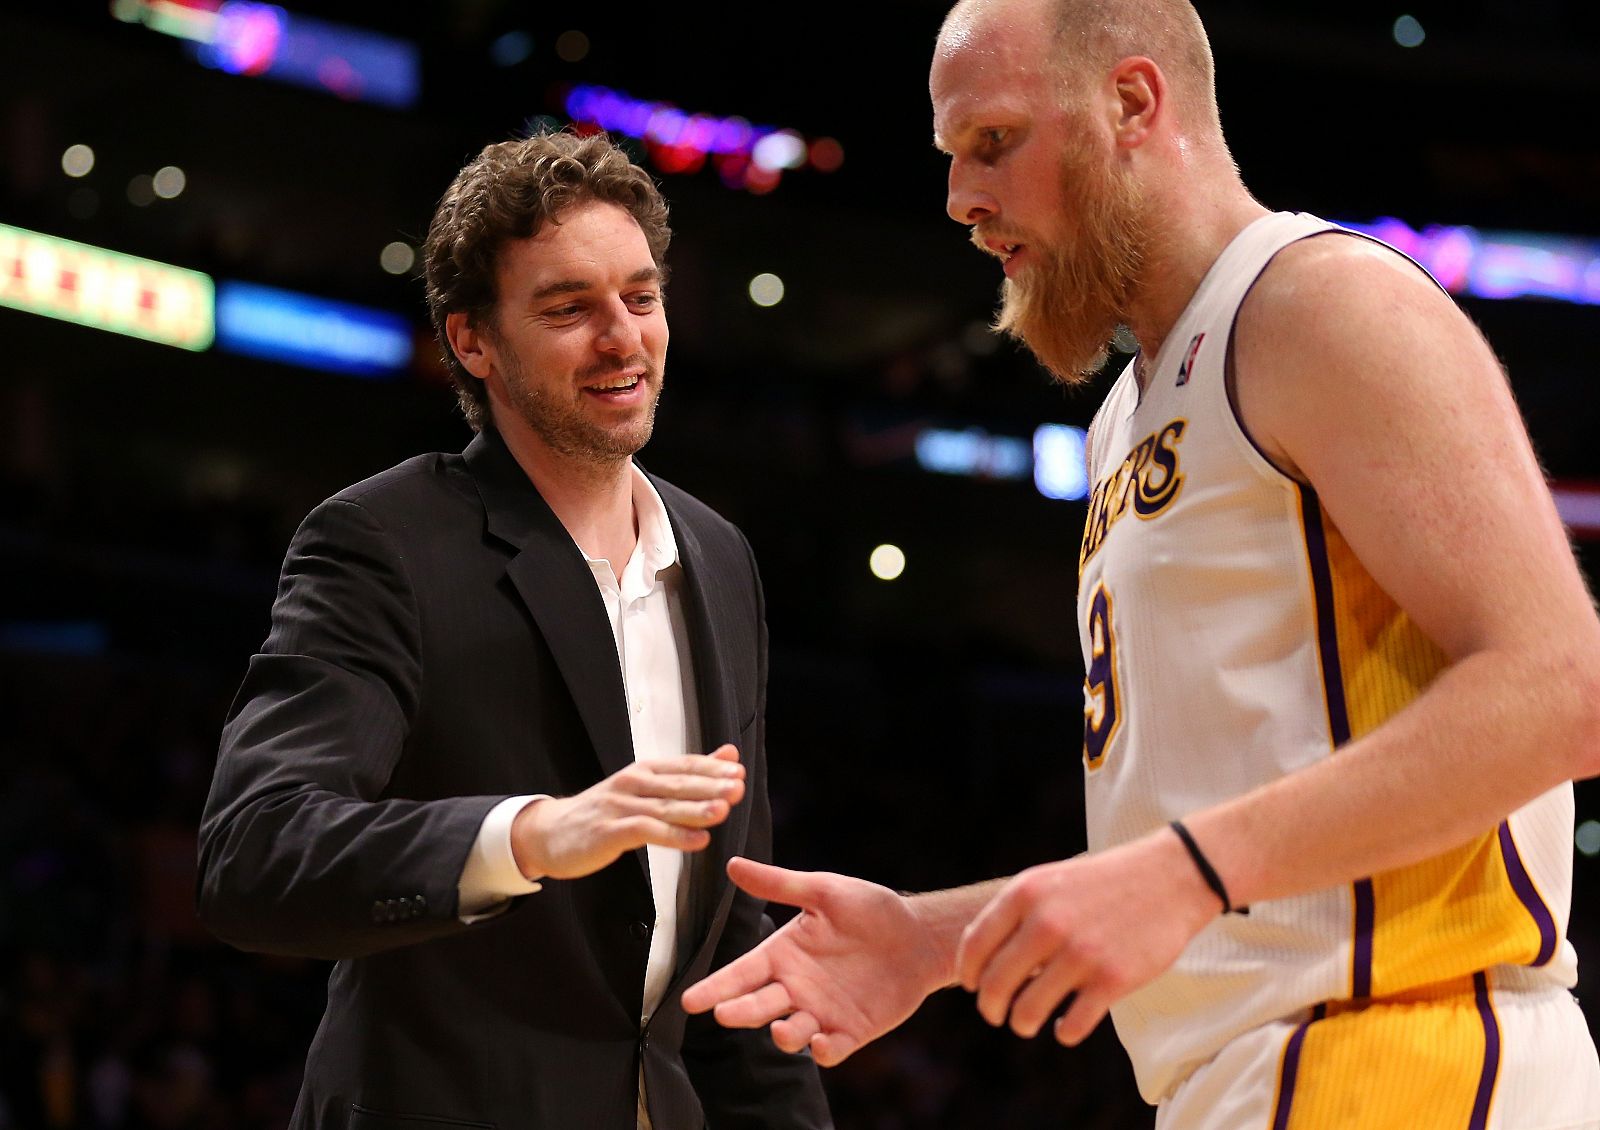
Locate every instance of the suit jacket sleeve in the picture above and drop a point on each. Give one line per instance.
(743, 1079)
(300, 850)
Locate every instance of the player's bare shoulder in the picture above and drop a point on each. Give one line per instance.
(1339, 320)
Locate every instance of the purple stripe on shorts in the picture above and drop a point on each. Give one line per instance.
(1523, 885)
(1491, 1053)
(1291, 1067)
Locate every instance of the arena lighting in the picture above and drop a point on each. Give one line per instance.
(242, 37)
(746, 156)
(1497, 265)
(1055, 458)
(766, 289)
(973, 453)
(107, 290)
(1058, 462)
(887, 562)
(1579, 507)
(299, 329)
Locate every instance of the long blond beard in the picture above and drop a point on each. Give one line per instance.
(1067, 307)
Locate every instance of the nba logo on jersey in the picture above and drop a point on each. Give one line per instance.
(1188, 361)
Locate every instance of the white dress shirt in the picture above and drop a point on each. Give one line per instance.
(645, 607)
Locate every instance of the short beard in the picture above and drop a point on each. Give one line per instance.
(564, 428)
(1067, 307)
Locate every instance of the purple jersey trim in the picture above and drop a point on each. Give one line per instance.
(1528, 894)
(1361, 955)
(1327, 632)
(1491, 1053)
(1338, 717)
(1291, 1068)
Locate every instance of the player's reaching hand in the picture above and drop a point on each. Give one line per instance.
(1095, 927)
(855, 962)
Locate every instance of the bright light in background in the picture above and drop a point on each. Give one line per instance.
(1498, 265)
(766, 290)
(511, 48)
(784, 149)
(398, 258)
(1058, 468)
(1408, 32)
(745, 156)
(572, 46)
(1587, 838)
(168, 182)
(74, 282)
(887, 562)
(302, 329)
(77, 160)
(973, 453)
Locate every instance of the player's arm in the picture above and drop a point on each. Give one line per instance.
(1365, 380)
(1358, 375)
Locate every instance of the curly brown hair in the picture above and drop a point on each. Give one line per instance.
(508, 192)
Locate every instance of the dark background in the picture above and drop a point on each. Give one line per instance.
(922, 734)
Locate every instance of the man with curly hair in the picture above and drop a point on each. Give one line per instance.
(467, 764)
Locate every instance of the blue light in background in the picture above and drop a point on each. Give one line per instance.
(973, 453)
(353, 63)
(281, 325)
(1055, 458)
(65, 637)
(1058, 462)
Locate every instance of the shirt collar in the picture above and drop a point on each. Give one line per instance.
(656, 541)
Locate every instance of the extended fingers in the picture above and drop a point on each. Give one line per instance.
(743, 975)
(758, 1009)
(1004, 974)
(793, 1033)
(684, 786)
(1041, 996)
(1074, 1026)
(984, 935)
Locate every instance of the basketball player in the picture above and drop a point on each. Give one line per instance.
(1341, 664)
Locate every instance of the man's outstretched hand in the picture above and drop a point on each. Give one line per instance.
(854, 963)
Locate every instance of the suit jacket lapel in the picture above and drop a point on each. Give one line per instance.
(554, 581)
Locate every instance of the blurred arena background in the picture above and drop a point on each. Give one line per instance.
(211, 320)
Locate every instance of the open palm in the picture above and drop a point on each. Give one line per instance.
(853, 964)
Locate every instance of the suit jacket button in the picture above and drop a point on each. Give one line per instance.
(639, 930)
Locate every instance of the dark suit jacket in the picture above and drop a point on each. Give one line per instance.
(438, 644)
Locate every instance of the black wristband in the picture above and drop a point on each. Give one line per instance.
(1207, 872)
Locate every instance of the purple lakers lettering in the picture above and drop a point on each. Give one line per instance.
(1147, 483)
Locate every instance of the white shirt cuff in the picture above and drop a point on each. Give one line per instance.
(491, 877)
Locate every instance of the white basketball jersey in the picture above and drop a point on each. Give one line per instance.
(1231, 637)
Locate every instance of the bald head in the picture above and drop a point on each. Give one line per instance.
(1085, 38)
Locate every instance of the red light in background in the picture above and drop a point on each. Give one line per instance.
(761, 181)
(678, 158)
(826, 155)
